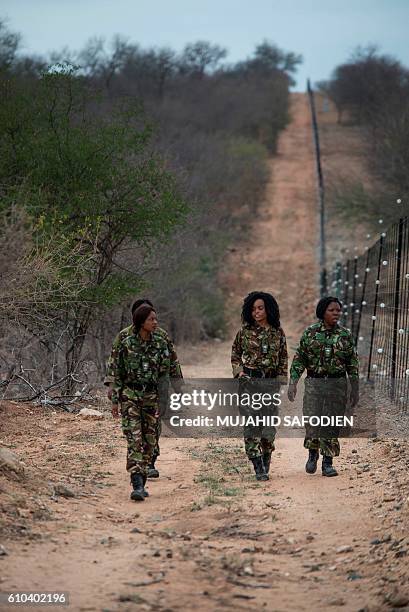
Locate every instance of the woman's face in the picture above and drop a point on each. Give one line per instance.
(150, 323)
(259, 312)
(332, 314)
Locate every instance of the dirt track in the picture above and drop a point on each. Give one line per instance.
(210, 537)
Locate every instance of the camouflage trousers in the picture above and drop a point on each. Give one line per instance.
(258, 439)
(324, 397)
(255, 444)
(327, 446)
(158, 431)
(141, 427)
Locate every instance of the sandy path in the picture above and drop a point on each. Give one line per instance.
(210, 537)
(279, 252)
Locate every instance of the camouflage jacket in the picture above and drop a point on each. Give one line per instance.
(175, 370)
(325, 351)
(137, 362)
(262, 348)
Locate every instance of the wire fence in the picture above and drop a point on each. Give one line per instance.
(321, 191)
(374, 288)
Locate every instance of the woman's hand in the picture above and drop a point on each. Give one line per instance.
(241, 374)
(354, 396)
(115, 411)
(292, 391)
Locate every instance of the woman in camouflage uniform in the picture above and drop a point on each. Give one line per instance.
(140, 362)
(259, 351)
(175, 373)
(327, 351)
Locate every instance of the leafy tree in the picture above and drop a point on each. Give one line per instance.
(81, 166)
(373, 88)
(269, 60)
(364, 84)
(91, 175)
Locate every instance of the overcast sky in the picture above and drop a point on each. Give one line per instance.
(325, 32)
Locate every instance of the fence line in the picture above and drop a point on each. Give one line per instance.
(374, 288)
(321, 200)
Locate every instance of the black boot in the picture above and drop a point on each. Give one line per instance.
(152, 471)
(267, 461)
(138, 493)
(327, 469)
(311, 465)
(259, 468)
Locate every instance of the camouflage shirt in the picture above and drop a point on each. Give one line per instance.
(261, 348)
(175, 369)
(325, 351)
(137, 362)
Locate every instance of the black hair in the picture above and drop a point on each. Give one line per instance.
(270, 304)
(138, 303)
(141, 314)
(323, 305)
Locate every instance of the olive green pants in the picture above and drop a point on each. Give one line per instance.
(258, 439)
(140, 426)
(324, 397)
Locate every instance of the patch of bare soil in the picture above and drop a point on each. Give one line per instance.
(210, 537)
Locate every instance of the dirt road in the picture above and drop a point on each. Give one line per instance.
(210, 537)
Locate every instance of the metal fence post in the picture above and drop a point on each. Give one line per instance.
(354, 294)
(375, 307)
(323, 271)
(396, 307)
(338, 279)
(345, 294)
(358, 327)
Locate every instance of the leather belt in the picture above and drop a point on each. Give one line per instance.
(254, 373)
(311, 374)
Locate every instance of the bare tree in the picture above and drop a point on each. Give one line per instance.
(104, 63)
(199, 57)
(9, 44)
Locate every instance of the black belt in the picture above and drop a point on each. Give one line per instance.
(148, 387)
(253, 373)
(311, 374)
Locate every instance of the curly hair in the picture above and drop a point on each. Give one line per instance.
(323, 305)
(270, 304)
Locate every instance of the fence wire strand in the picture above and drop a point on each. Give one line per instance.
(374, 288)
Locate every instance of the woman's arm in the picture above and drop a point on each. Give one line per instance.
(299, 363)
(300, 359)
(282, 372)
(236, 353)
(352, 368)
(175, 369)
(117, 372)
(111, 363)
(352, 361)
